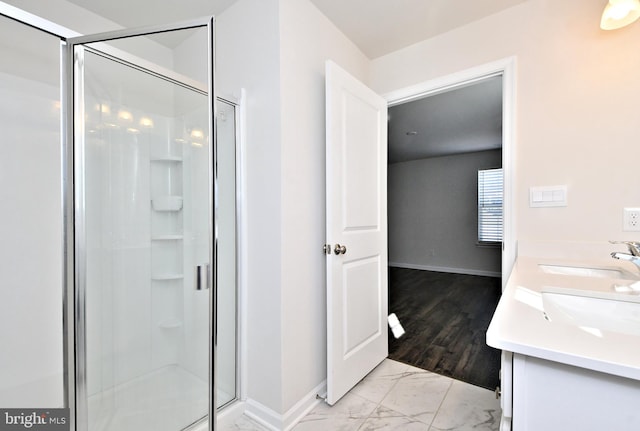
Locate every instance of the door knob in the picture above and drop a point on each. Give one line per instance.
(340, 249)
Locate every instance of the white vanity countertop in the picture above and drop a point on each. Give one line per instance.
(519, 324)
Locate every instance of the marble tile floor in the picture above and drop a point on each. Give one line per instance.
(396, 396)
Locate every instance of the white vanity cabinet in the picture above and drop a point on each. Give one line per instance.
(575, 345)
(551, 396)
(506, 390)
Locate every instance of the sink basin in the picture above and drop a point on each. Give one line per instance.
(583, 271)
(593, 314)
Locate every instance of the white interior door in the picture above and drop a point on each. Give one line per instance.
(356, 231)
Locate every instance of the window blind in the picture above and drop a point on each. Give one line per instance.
(490, 205)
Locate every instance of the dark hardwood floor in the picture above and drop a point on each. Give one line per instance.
(445, 317)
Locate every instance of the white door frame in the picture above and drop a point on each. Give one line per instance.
(507, 68)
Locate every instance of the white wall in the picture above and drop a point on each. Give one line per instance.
(31, 356)
(433, 214)
(307, 40)
(31, 248)
(577, 105)
(117, 244)
(277, 50)
(248, 55)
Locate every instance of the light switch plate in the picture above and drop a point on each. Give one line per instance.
(548, 196)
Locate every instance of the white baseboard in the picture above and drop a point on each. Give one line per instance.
(263, 415)
(304, 406)
(465, 271)
(277, 422)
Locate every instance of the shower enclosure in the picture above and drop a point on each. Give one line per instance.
(150, 230)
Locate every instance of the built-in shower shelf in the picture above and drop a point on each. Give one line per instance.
(166, 277)
(170, 324)
(173, 159)
(167, 203)
(167, 237)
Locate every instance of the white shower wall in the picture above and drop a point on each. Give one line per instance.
(143, 312)
(31, 249)
(117, 194)
(31, 353)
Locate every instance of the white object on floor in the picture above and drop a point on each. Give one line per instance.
(394, 324)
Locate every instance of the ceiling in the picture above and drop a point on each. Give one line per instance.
(377, 27)
(463, 120)
(136, 13)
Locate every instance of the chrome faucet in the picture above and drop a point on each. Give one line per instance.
(634, 252)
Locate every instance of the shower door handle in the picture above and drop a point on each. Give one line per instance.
(202, 277)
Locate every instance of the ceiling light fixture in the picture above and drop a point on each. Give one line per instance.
(146, 122)
(197, 134)
(125, 115)
(103, 108)
(619, 13)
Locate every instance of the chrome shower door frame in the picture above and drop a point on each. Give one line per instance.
(74, 211)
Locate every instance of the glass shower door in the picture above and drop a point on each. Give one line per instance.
(226, 277)
(144, 245)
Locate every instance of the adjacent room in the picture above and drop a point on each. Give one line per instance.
(445, 229)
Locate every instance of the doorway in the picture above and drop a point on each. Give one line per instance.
(447, 266)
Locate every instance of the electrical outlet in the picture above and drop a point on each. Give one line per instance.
(631, 220)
